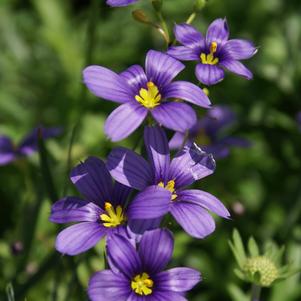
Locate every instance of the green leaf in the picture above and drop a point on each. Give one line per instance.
(253, 247)
(237, 248)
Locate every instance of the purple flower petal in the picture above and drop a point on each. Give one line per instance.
(166, 296)
(236, 141)
(204, 199)
(178, 279)
(139, 226)
(187, 91)
(176, 116)
(79, 238)
(209, 74)
(129, 168)
(189, 165)
(106, 84)
(123, 256)
(189, 36)
(155, 250)
(238, 49)
(158, 151)
(237, 68)
(30, 143)
(218, 31)
(152, 202)
(120, 194)
(135, 77)
(7, 152)
(177, 140)
(161, 68)
(195, 220)
(93, 180)
(73, 209)
(184, 53)
(107, 286)
(124, 120)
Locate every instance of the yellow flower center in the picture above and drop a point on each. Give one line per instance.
(170, 187)
(142, 284)
(209, 59)
(150, 97)
(113, 217)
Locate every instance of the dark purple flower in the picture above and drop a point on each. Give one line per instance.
(102, 212)
(137, 274)
(10, 152)
(120, 2)
(140, 92)
(163, 183)
(298, 118)
(208, 133)
(213, 52)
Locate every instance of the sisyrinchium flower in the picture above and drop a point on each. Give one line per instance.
(119, 3)
(163, 183)
(209, 133)
(141, 92)
(214, 52)
(10, 152)
(137, 274)
(101, 213)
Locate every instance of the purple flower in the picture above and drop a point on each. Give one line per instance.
(120, 2)
(208, 133)
(102, 212)
(163, 183)
(138, 274)
(141, 92)
(10, 152)
(213, 52)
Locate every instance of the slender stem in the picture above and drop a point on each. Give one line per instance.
(255, 292)
(191, 17)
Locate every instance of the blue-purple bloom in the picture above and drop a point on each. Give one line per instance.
(138, 274)
(141, 92)
(163, 183)
(209, 133)
(10, 152)
(101, 213)
(120, 2)
(214, 52)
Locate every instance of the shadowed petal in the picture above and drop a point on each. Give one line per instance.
(177, 140)
(204, 199)
(123, 256)
(124, 120)
(79, 238)
(237, 49)
(218, 31)
(236, 141)
(161, 68)
(152, 202)
(176, 116)
(120, 194)
(237, 68)
(178, 279)
(107, 286)
(209, 74)
(189, 165)
(188, 36)
(129, 168)
(139, 226)
(93, 180)
(195, 220)
(158, 296)
(7, 152)
(155, 250)
(73, 209)
(120, 2)
(187, 91)
(158, 151)
(104, 83)
(184, 53)
(135, 77)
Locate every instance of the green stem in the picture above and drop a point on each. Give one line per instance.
(255, 292)
(191, 18)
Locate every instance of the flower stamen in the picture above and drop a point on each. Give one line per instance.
(113, 217)
(170, 186)
(209, 59)
(142, 284)
(150, 97)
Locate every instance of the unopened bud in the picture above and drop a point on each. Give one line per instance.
(140, 16)
(199, 4)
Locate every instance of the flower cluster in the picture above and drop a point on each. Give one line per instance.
(126, 198)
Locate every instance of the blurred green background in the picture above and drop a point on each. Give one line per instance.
(44, 47)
